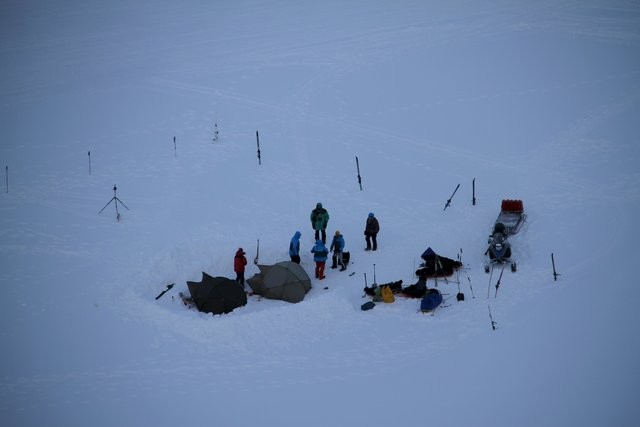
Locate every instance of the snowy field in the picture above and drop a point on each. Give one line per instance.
(537, 101)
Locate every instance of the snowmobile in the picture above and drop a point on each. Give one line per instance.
(508, 223)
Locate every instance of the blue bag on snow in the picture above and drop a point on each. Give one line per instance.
(431, 301)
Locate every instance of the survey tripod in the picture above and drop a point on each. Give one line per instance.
(115, 200)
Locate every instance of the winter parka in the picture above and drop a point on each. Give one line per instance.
(372, 227)
(319, 252)
(319, 217)
(337, 244)
(239, 261)
(294, 246)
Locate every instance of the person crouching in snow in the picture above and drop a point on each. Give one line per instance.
(320, 253)
(337, 246)
(238, 266)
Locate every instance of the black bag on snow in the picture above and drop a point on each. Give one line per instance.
(367, 305)
(346, 256)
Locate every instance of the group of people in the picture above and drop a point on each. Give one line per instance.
(321, 253)
(319, 220)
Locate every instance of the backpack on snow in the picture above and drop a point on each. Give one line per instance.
(387, 294)
(383, 293)
(346, 256)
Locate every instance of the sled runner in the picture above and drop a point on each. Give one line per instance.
(508, 223)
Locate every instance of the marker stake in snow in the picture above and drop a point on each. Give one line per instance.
(449, 200)
(6, 171)
(89, 154)
(374, 276)
(460, 295)
(471, 287)
(553, 263)
(473, 185)
(364, 294)
(175, 148)
(358, 168)
(258, 142)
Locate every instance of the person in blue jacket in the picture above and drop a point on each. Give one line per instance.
(294, 247)
(320, 253)
(337, 246)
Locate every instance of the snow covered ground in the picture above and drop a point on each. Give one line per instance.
(537, 101)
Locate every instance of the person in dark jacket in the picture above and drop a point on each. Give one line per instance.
(319, 220)
(337, 246)
(294, 247)
(320, 254)
(239, 261)
(371, 230)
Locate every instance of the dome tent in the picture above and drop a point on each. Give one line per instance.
(217, 295)
(284, 280)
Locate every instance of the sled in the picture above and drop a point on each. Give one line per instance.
(508, 223)
(512, 216)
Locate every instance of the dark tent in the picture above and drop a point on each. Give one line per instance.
(217, 295)
(435, 265)
(285, 281)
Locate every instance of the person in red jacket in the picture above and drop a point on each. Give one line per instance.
(238, 265)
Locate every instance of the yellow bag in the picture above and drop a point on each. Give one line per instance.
(387, 294)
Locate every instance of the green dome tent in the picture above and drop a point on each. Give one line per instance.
(285, 281)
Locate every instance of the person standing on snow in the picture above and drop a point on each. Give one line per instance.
(337, 246)
(371, 230)
(320, 253)
(319, 220)
(239, 261)
(294, 247)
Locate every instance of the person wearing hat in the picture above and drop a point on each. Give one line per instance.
(371, 230)
(238, 266)
(294, 247)
(320, 253)
(319, 220)
(337, 246)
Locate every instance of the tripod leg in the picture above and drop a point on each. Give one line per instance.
(105, 206)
